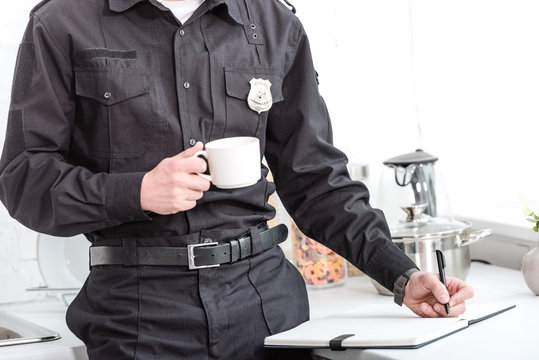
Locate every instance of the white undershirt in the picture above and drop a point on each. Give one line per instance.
(182, 9)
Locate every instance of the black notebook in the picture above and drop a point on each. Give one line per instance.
(379, 326)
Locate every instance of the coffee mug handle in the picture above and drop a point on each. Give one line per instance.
(204, 154)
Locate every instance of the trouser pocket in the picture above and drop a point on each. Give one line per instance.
(281, 289)
(104, 315)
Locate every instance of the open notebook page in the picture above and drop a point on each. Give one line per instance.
(377, 326)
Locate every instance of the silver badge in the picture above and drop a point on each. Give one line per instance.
(259, 98)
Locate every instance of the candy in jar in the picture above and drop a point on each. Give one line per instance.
(318, 265)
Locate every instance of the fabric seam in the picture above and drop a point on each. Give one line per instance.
(138, 314)
(52, 38)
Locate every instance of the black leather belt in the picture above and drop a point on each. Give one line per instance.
(195, 256)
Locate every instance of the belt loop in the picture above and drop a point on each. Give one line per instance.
(235, 252)
(256, 241)
(90, 258)
(129, 252)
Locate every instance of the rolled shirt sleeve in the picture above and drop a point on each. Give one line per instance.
(38, 186)
(312, 180)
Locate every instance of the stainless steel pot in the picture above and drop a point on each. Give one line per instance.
(419, 236)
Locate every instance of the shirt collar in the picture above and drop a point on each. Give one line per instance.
(122, 5)
(231, 5)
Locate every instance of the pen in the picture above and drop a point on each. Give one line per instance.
(441, 265)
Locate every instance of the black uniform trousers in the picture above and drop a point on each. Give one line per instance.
(169, 313)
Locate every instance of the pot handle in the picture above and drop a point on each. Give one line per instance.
(474, 237)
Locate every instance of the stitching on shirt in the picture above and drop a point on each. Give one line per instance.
(53, 42)
(15, 138)
(24, 71)
(88, 54)
(253, 70)
(52, 38)
(296, 47)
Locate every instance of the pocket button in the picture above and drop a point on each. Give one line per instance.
(107, 95)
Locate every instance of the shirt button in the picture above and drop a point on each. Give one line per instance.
(192, 142)
(207, 240)
(182, 32)
(107, 95)
(186, 85)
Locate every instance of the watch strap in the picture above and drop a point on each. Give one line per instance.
(400, 285)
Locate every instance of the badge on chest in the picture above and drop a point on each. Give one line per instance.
(259, 98)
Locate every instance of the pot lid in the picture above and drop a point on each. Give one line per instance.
(419, 225)
(416, 157)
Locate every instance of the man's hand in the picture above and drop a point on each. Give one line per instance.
(425, 295)
(173, 185)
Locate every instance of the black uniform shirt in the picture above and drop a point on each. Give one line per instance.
(106, 89)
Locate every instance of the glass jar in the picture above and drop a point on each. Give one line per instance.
(319, 265)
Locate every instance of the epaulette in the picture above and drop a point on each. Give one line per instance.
(292, 7)
(39, 5)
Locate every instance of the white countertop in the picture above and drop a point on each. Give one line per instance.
(508, 335)
(51, 315)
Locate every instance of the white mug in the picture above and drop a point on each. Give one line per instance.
(233, 162)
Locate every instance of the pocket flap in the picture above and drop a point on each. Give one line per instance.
(110, 87)
(238, 86)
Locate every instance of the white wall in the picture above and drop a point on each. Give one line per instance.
(477, 78)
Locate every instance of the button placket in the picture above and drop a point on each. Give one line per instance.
(184, 79)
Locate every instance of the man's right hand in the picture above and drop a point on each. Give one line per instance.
(173, 185)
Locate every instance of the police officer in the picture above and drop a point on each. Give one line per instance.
(110, 100)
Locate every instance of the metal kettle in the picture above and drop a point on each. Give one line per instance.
(416, 171)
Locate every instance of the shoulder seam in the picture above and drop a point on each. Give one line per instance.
(38, 6)
(296, 47)
(53, 39)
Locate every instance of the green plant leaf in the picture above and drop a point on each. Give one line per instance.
(532, 220)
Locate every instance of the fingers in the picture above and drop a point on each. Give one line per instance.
(453, 311)
(460, 291)
(425, 310)
(197, 183)
(431, 282)
(193, 195)
(426, 295)
(191, 151)
(189, 165)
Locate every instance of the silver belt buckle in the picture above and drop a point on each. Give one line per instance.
(191, 256)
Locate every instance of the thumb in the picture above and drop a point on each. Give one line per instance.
(191, 151)
(437, 288)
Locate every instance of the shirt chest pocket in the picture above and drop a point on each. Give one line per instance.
(245, 90)
(113, 111)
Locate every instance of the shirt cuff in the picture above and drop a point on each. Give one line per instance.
(400, 284)
(122, 198)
